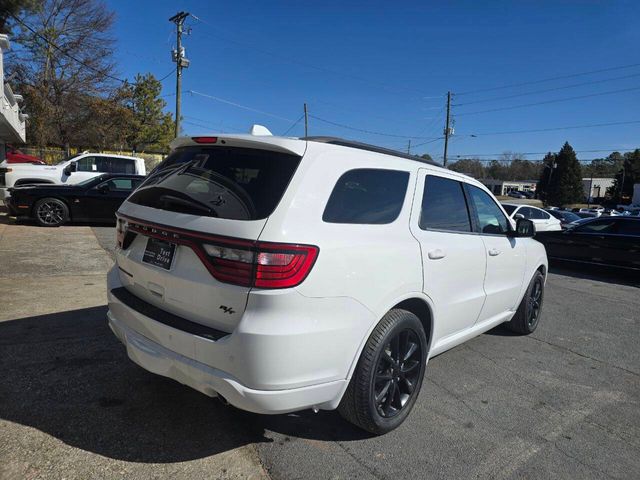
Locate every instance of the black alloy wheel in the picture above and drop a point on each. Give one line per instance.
(51, 212)
(527, 317)
(388, 376)
(397, 373)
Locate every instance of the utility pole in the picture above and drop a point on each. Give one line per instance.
(447, 128)
(181, 62)
(306, 121)
(409, 147)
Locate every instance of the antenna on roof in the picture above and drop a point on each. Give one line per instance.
(260, 130)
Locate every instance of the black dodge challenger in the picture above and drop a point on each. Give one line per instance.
(610, 241)
(94, 200)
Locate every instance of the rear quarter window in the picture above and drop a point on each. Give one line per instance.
(367, 196)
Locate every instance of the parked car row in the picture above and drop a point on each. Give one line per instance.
(87, 187)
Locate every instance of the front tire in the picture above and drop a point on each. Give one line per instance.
(527, 317)
(51, 212)
(389, 374)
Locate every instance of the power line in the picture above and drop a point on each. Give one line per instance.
(64, 52)
(549, 79)
(229, 102)
(371, 132)
(74, 58)
(294, 124)
(167, 76)
(321, 68)
(551, 129)
(549, 101)
(493, 99)
(430, 141)
(544, 153)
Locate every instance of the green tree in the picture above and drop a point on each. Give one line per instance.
(546, 173)
(151, 127)
(426, 156)
(469, 166)
(626, 177)
(565, 185)
(604, 167)
(11, 8)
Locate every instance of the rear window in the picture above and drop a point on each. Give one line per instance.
(367, 196)
(230, 183)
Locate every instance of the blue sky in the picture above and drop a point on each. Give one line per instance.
(386, 67)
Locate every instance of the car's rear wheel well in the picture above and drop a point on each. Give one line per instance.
(542, 269)
(420, 309)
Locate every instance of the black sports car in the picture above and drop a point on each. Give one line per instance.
(611, 241)
(94, 200)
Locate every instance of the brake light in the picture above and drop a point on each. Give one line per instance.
(205, 139)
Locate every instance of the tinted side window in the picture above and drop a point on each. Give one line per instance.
(491, 220)
(629, 227)
(87, 164)
(538, 214)
(367, 196)
(526, 212)
(121, 184)
(444, 206)
(115, 165)
(598, 226)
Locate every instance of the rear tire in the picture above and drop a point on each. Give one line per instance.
(527, 317)
(50, 212)
(388, 376)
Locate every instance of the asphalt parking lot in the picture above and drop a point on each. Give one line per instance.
(562, 403)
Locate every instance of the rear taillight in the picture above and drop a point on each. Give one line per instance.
(232, 260)
(261, 264)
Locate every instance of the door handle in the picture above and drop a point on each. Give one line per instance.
(494, 252)
(436, 254)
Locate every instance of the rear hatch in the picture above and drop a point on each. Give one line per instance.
(188, 234)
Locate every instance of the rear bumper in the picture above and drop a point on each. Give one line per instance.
(288, 352)
(4, 193)
(213, 382)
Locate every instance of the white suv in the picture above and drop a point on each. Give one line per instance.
(284, 274)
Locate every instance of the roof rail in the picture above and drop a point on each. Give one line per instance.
(369, 148)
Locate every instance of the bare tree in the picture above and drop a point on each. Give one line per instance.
(64, 60)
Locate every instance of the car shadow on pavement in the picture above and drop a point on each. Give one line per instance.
(66, 374)
(594, 272)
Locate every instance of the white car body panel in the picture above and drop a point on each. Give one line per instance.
(550, 224)
(295, 348)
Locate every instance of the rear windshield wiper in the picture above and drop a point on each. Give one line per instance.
(167, 200)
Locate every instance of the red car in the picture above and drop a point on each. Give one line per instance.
(16, 156)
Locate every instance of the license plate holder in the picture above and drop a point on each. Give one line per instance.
(159, 253)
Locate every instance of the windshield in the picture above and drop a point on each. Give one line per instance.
(509, 208)
(224, 182)
(67, 159)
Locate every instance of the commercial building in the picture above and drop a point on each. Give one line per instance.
(596, 187)
(503, 187)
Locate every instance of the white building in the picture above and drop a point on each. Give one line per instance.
(596, 187)
(12, 121)
(503, 187)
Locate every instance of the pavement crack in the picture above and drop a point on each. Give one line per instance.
(561, 347)
(576, 459)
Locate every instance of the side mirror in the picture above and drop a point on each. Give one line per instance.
(69, 169)
(518, 215)
(524, 229)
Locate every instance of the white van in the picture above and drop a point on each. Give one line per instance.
(314, 273)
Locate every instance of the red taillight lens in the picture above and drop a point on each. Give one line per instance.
(232, 260)
(263, 265)
(283, 265)
(205, 139)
